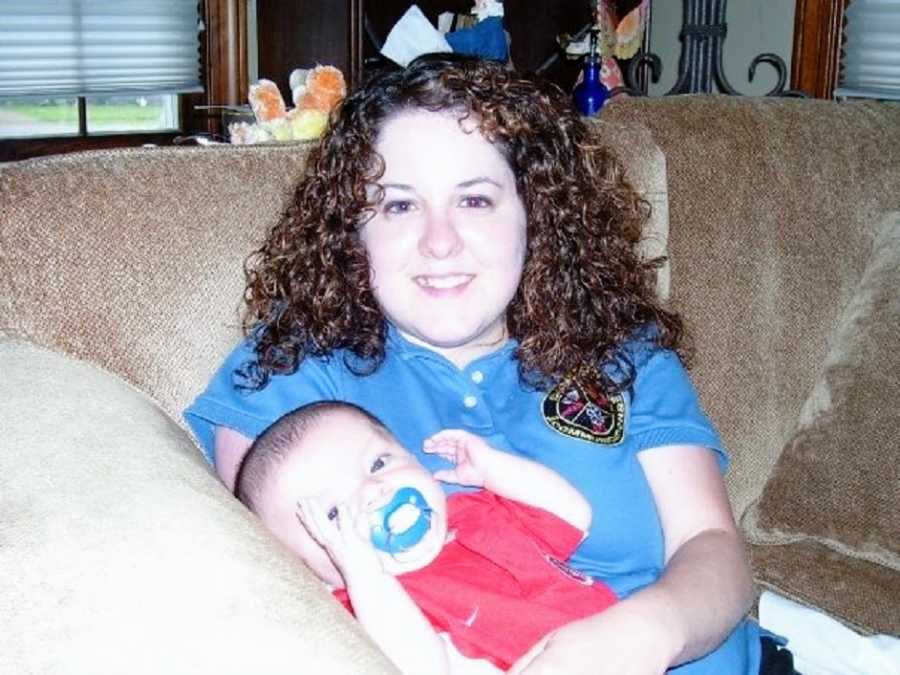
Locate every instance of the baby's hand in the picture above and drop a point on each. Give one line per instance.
(340, 533)
(469, 452)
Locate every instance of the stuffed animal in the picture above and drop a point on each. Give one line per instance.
(315, 92)
(622, 25)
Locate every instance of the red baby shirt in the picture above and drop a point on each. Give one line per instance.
(501, 583)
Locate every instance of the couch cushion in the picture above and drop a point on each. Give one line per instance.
(772, 208)
(132, 259)
(836, 482)
(121, 553)
(860, 594)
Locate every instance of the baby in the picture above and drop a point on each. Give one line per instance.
(485, 567)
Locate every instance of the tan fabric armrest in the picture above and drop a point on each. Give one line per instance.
(121, 553)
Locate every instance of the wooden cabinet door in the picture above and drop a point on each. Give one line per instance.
(302, 33)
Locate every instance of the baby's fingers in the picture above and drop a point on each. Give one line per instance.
(452, 436)
(445, 448)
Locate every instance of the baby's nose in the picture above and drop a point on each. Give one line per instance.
(374, 493)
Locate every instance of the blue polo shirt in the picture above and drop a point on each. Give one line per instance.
(588, 437)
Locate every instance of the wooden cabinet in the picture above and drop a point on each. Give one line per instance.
(301, 33)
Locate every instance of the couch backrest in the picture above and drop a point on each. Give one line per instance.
(132, 259)
(773, 205)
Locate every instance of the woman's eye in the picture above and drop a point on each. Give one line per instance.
(476, 202)
(332, 513)
(378, 465)
(398, 207)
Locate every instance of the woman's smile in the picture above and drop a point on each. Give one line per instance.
(444, 284)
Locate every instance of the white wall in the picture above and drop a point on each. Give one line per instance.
(754, 27)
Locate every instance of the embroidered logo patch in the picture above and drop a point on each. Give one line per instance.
(568, 571)
(577, 407)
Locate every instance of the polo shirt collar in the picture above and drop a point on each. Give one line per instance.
(403, 348)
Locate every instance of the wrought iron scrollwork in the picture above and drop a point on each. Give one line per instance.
(700, 68)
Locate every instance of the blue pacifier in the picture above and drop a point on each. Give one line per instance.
(397, 541)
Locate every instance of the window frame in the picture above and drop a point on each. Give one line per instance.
(818, 37)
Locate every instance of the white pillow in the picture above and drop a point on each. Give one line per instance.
(120, 552)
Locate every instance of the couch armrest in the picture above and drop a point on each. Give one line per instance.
(122, 553)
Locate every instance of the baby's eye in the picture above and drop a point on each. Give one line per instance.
(476, 202)
(378, 464)
(332, 513)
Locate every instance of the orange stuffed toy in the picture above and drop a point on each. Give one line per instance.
(316, 92)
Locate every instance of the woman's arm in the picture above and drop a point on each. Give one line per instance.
(702, 594)
(230, 448)
(707, 577)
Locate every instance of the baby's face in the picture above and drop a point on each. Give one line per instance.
(346, 459)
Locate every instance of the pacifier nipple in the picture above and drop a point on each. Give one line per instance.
(403, 518)
(402, 522)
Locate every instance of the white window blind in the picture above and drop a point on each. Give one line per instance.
(871, 63)
(90, 47)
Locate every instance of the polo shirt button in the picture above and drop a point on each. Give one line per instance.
(470, 401)
(477, 377)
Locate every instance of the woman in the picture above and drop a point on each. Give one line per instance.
(460, 255)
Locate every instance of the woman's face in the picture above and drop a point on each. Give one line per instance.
(447, 243)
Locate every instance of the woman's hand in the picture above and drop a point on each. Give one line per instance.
(703, 592)
(619, 641)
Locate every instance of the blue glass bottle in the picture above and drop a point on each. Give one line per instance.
(590, 94)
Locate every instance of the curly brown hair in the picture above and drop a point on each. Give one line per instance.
(584, 291)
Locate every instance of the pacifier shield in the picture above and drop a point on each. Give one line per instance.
(410, 517)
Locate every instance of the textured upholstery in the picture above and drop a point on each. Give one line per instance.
(122, 553)
(835, 486)
(645, 166)
(773, 205)
(133, 259)
(774, 208)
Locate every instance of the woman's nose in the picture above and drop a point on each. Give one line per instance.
(440, 238)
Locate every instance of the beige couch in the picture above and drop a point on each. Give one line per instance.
(120, 287)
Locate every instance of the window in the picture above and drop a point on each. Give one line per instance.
(93, 115)
(93, 67)
(871, 64)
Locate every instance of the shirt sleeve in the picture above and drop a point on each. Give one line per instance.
(665, 409)
(343, 597)
(249, 412)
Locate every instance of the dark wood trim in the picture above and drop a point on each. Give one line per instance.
(355, 46)
(818, 35)
(223, 56)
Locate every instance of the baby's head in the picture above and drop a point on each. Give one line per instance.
(337, 453)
